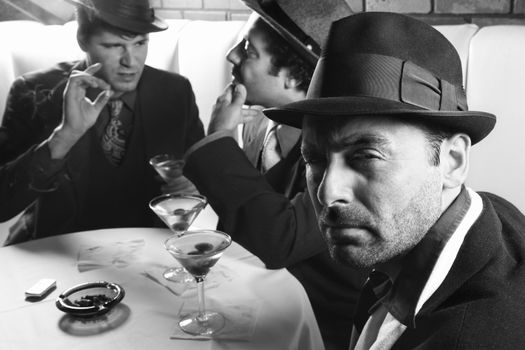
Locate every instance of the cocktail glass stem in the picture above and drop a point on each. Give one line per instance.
(202, 302)
(202, 322)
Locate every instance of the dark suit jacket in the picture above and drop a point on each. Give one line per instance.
(165, 112)
(481, 303)
(273, 217)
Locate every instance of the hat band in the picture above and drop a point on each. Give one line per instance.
(387, 77)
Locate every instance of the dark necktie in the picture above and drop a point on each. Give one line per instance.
(115, 135)
(369, 298)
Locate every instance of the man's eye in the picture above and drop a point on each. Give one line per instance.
(365, 155)
(313, 160)
(251, 53)
(362, 158)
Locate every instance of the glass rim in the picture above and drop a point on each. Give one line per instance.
(165, 156)
(196, 231)
(203, 200)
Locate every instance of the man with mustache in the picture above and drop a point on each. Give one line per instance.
(270, 214)
(386, 139)
(76, 138)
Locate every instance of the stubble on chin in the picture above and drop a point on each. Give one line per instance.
(349, 231)
(389, 237)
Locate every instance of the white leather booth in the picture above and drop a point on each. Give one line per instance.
(493, 60)
(195, 49)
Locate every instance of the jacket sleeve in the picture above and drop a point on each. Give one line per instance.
(281, 231)
(195, 130)
(26, 167)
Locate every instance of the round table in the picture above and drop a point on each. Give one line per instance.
(277, 312)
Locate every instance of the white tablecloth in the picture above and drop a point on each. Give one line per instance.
(285, 319)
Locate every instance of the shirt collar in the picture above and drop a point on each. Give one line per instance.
(129, 99)
(409, 280)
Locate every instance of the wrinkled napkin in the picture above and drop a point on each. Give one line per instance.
(115, 254)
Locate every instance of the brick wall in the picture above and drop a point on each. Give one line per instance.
(481, 12)
(212, 10)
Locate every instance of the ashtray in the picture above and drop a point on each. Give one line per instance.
(90, 299)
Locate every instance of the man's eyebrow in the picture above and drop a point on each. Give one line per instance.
(125, 39)
(338, 143)
(361, 140)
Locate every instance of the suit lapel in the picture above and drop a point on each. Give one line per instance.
(287, 137)
(254, 133)
(158, 129)
(287, 176)
(478, 248)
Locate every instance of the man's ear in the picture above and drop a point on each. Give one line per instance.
(454, 160)
(291, 83)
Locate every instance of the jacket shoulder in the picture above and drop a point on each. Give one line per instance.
(512, 219)
(157, 76)
(50, 76)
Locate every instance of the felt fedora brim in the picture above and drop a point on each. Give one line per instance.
(304, 24)
(140, 20)
(388, 64)
(475, 124)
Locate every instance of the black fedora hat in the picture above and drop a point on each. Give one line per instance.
(304, 24)
(388, 64)
(135, 16)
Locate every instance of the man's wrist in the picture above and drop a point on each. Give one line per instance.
(61, 141)
(44, 171)
(220, 126)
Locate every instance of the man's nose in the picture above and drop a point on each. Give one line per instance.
(236, 54)
(127, 58)
(337, 184)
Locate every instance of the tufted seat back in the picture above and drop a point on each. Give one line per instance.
(492, 57)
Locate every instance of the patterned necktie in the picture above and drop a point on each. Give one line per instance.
(271, 152)
(114, 138)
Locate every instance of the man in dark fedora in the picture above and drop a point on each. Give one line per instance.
(270, 214)
(76, 138)
(386, 139)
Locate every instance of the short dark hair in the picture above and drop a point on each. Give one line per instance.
(435, 134)
(90, 24)
(283, 56)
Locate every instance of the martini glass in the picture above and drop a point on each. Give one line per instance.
(198, 251)
(178, 211)
(167, 166)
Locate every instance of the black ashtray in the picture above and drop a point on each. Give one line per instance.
(90, 299)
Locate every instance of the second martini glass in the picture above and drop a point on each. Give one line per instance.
(198, 252)
(178, 211)
(167, 166)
